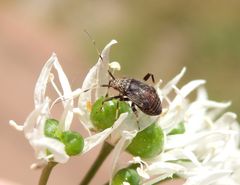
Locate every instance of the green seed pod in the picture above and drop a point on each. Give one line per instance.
(73, 141)
(179, 129)
(103, 115)
(148, 143)
(51, 129)
(126, 175)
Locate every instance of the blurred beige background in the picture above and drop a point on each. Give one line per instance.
(158, 37)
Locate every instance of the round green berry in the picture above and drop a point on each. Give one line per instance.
(104, 114)
(51, 129)
(148, 143)
(126, 175)
(73, 141)
(179, 129)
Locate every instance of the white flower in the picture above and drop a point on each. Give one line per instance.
(206, 153)
(97, 76)
(33, 126)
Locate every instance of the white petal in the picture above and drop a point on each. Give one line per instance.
(119, 147)
(206, 178)
(98, 138)
(142, 173)
(32, 120)
(40, 87)
(174, 115)
(54, 146)
(86, 98)
(187, 89)
(165, 168)
(158, 179)
(102, 73)
(86, 124)
(94, 140)
(202, 93)
(226, 121)
(179, 154)
(67, 116)
(180, 140)
(62, 78)
(133, 123)
(168, 87)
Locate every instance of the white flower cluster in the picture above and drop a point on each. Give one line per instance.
(33, 127)
(208, 150)
(205, 153)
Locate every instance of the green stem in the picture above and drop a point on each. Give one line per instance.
(46, 172)
(105, 151)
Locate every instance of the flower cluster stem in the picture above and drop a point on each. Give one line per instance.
(105, 151)
(46, 173)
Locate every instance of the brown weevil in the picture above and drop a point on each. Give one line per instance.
(139, 93)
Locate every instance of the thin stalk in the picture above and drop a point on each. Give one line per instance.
(46, 173)
(105, 151)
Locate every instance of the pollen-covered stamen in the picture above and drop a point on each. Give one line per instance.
(115, 66)
(89, 106)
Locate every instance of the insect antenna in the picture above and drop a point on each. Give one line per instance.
(94, 43)
(111, 75)
(100, 56)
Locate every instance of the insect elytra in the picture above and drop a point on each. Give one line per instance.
(139, 93)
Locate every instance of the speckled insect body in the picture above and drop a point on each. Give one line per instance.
(140, 94)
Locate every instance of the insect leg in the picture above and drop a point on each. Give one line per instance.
(114, 97)
(136, 114)
(147, 76)
(108, 86)
(110, 98)
(117, 111)
(109, 72)
(120, 97)
(124, 98)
